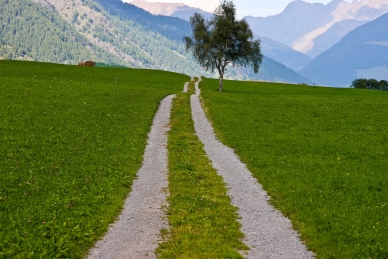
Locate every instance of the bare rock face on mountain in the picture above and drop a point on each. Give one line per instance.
(169, 9)
(333, 35)
(314, 28)
(166, 9)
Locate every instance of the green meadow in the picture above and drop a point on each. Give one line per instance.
(321, 154)
(71, 141)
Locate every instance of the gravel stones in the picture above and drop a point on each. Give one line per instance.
(267, 232)
(186, 87)
(136, 233)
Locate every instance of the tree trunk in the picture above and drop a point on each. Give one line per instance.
(220, 84)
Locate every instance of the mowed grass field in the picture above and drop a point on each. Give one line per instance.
(71, 142)
(321, 154)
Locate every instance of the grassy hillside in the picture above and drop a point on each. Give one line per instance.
(321, 153)
(71, 142)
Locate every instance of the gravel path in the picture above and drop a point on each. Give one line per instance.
(267, 232)
(136, 233)
(186, 86)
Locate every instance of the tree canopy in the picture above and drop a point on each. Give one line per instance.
(223, 40)
(372, 84)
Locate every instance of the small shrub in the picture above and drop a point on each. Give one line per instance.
(90, 63)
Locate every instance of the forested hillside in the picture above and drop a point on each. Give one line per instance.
(33, 32)
(170, 27)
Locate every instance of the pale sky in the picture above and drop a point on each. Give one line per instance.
(244, 7)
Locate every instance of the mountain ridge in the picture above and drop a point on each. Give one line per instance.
(283, 53)
(362, 53)
(301, 23)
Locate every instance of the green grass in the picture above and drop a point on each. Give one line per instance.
(71, 141)
(203, 222)
(321, 153)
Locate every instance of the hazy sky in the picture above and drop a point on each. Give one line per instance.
(244, 7)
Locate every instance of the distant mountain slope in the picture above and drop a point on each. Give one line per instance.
(169, 9)
(270, 69)
(298, 19)
(362, 53)
(333, 35)
(301, 23)
(284, 54)
(272, 49)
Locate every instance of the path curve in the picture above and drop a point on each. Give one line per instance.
(267, 232)
(186, 86)
(135, 235)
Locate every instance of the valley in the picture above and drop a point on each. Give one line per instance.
(114, 160)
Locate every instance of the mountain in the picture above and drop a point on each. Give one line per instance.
(145, 40)
(32, 32)
(107, 31)
(270, 69)
(301, 23)
(362, 53)
(169, 9)
(333, 35)
(283, 53)
(272, 49)
(169, 27)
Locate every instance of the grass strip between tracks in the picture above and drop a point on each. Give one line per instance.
(203, 221)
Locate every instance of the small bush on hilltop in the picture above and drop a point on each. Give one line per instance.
(372, 84)
(88, 63)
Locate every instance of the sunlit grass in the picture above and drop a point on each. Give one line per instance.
(321, 153)
(71, 141)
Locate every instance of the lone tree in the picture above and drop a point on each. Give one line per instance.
(223, 40)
